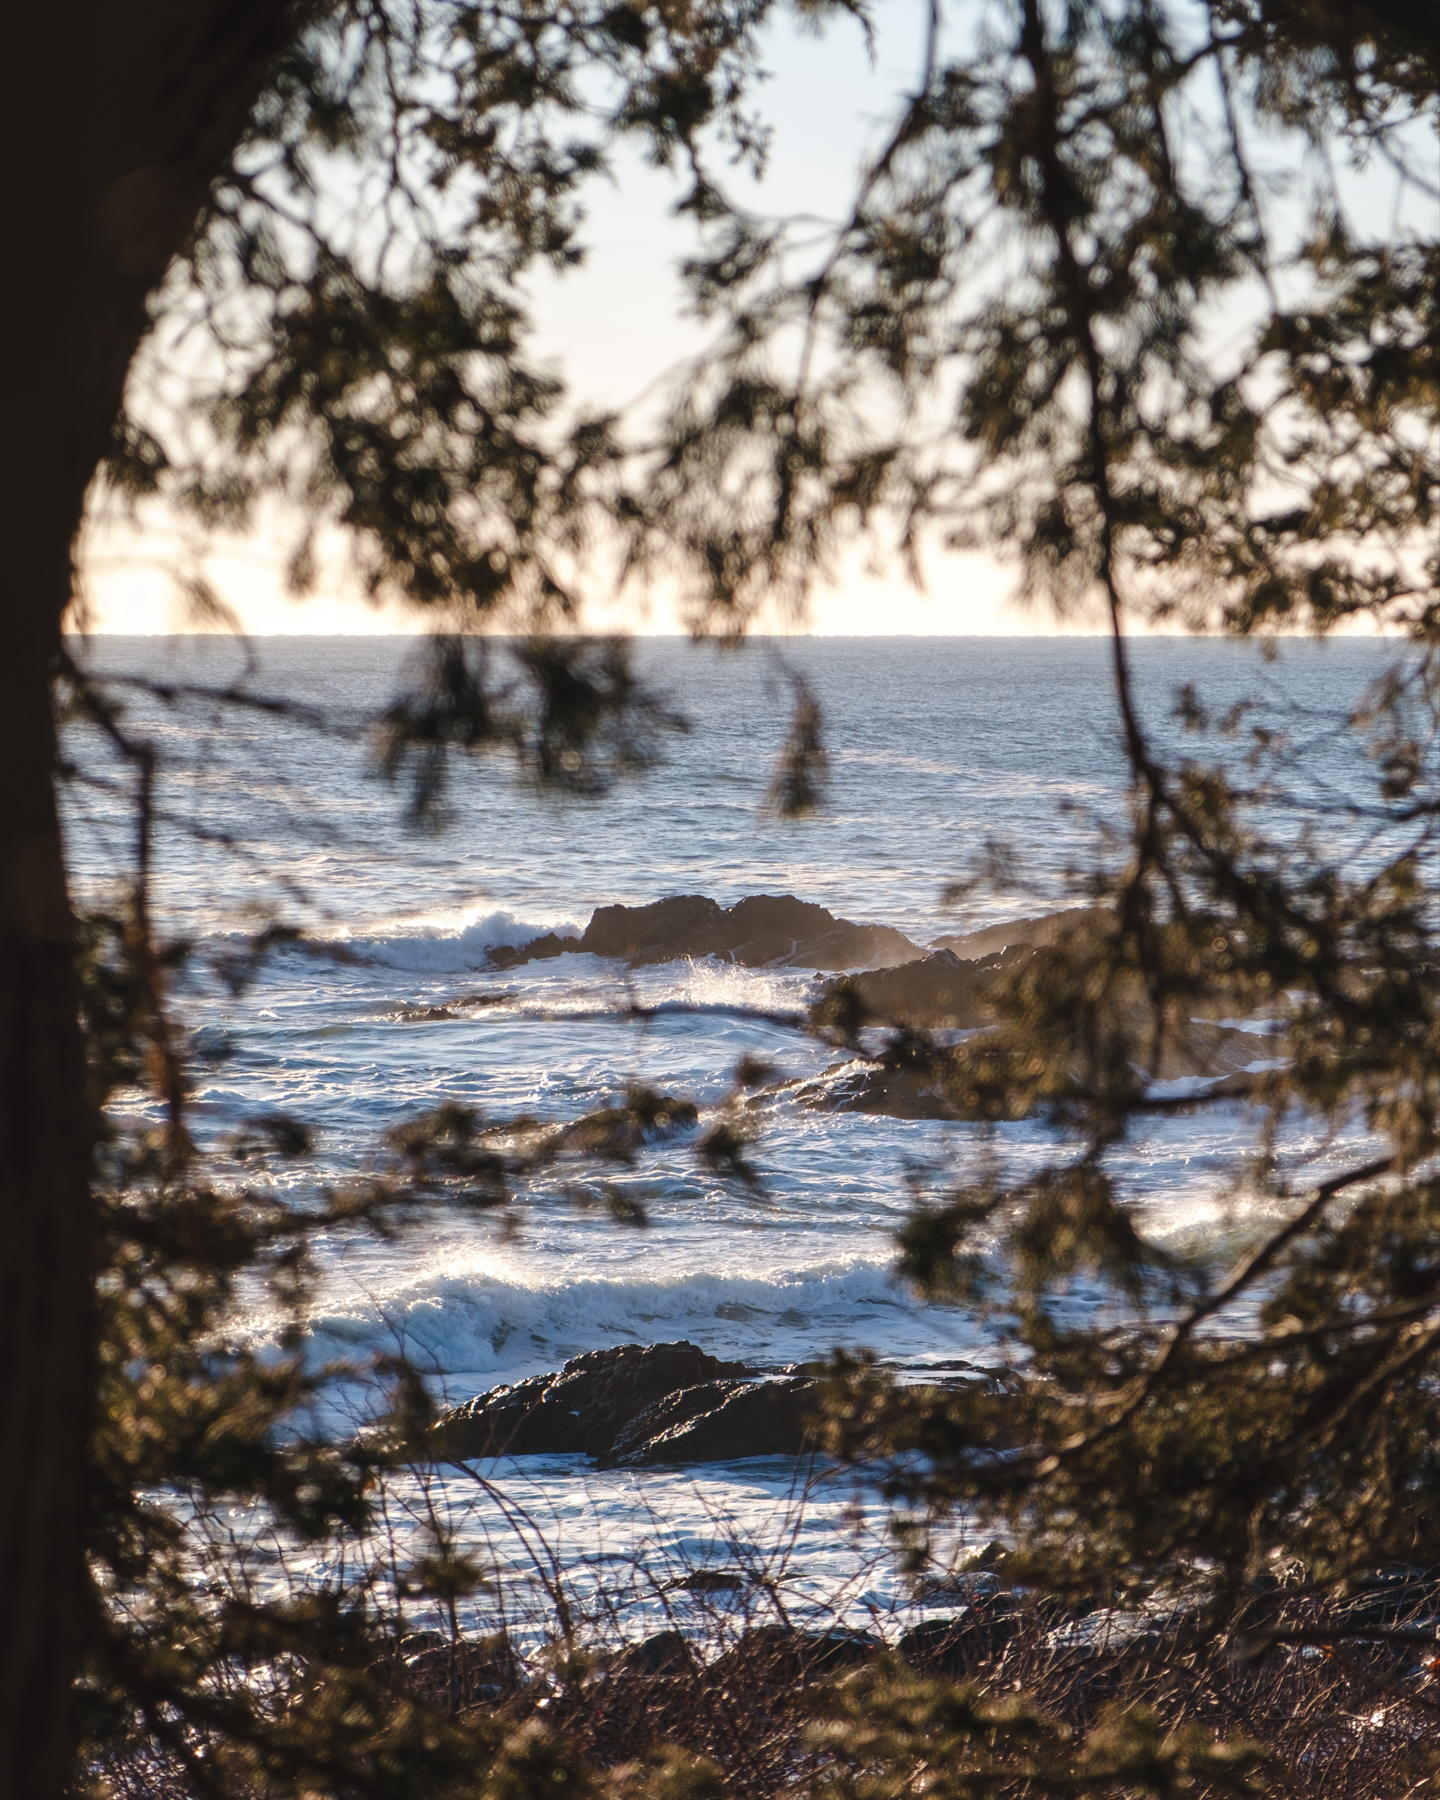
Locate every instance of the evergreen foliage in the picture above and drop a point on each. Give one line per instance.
(1076, 311)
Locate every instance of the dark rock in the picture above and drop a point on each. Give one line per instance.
(432, 1668)
(879, 1088)
(769, 928)
(664, 1653)
(706, 1581)
(507, 956)
(742, 1418)
(619, 1131)
(941, 990)
(826, 1651)
(668, 1414)
(956, 1645)
(764, 928)
(941, 1646)
(994, 938)
(583, 1408)
(780, 1653)
(686, 925)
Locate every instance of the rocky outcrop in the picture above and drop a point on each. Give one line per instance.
(956, 1647)
(896, 1086)
(887, 1090)
(765, 928)
(768, 1652)
(582, 1408)
(721, 1423)
(507, 956)
(631, 1407)
(933, 992)
(776, 928)
(971, 945)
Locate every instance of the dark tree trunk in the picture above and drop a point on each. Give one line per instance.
(116, 119)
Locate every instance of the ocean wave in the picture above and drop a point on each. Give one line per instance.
(450, 947)
(471, 1328)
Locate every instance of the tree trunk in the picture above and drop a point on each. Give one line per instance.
(115, 121)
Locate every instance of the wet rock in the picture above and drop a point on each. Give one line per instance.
(432, 1668)
(668, 1414)
(664, 1653)
(995, 938)
(762, 929)
(731, 1420)
(507, 956)
(770, 928)
(957, 1645)
(879, 1088)
(941, 990)
(941, 1646)
(707, 1581)
(632, 1407)
(770, 1653)
(582, 1409)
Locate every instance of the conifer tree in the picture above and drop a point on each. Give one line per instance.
(1075, 311)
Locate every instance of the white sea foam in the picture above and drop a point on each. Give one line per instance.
(451, 947)
(935, 747)
(470, 1328)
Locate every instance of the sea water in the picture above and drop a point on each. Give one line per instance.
(944, 754)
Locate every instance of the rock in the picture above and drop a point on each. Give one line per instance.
(941, 1646)
(954, 1646)
(686, 925)
(664, 1653)
(583, 1408)
(731, 1420)
(880, 1088)
(764, 928)
(934, 991)
(444, 1673)
(781, 1653)
(769, 928)
(668, 1414)
(631, 1407)
(994, 938)
(507, 956)
(707, 1581)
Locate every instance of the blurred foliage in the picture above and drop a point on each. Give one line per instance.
(1103, 300)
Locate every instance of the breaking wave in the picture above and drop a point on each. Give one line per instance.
(471, 1328)
(450, 948)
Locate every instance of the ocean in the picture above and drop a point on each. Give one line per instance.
(943, 752)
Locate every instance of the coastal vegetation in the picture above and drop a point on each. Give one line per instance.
(1112, 297)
